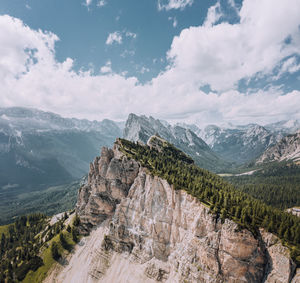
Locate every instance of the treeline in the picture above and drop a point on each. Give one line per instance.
(277, 185)
(222, 198)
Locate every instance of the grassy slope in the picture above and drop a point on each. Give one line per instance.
(40, 274)
(4, 229)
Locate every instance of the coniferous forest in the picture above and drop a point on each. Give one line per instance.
(223, 198)
(32, 242)
(277, 184)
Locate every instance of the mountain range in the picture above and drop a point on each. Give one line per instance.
(40, 150)
(146, 211)
(39, 147)
(141, 128)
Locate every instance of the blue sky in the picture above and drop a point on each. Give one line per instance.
(83, 30)
(197, 61)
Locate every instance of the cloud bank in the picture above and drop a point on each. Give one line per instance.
(266, 42)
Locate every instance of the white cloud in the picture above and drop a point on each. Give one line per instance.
(174, 21)
(106, 68)
(127, 53)
(233, 5)
(218, 55)
(144, 70)
(117, 37)
(130, 34)
(27, 7)
(173, 4)
(213, 15)
(290, 65)
(114, 37)
(221, 55)
(101, 3)
(88, 2)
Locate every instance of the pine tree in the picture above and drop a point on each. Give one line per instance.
(54, 251)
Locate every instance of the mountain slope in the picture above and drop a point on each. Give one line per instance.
(286, 149)
(141, 128)
(146, 230)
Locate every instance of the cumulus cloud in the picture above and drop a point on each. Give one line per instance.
(114, 37)
(221, 55)
(173, 4)
(218, 55)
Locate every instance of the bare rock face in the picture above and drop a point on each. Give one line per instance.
(280, 266)
(109, 180)
(169, 235)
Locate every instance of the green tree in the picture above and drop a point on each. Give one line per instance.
(54, 251)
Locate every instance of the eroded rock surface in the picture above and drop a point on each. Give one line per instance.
(168, 235)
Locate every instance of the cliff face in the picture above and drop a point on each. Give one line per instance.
(168, 235)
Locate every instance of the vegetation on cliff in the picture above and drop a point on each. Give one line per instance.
(26, 247)
(169, 163)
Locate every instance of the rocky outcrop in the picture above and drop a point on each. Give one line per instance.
(287, 148)
(168, 235)
(109, 181)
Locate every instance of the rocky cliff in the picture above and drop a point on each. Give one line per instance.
(148, 232)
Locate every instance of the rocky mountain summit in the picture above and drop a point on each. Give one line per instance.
(142, 230)
(141, 128)
(286, 149)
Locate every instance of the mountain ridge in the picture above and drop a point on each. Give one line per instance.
(141, 128)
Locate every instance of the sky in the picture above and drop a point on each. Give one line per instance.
(193, 61)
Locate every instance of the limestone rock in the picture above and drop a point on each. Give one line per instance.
(168, 235)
